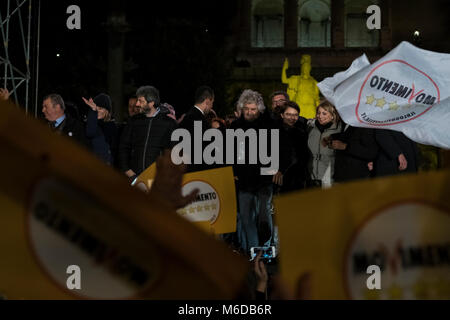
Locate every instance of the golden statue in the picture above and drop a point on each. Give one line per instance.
(302, 88)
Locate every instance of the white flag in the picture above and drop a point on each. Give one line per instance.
(407, 90)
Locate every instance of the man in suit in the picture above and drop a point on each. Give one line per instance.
(53, 108)
(204, 101)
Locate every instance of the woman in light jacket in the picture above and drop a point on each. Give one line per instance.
(321, 163)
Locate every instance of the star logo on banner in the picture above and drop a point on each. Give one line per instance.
(182, 211)
(407, 106)
(394, 106)
(370, 99)
(191, 210)
(380, 103)
(206, 207)
(199, 208)
(395, 292)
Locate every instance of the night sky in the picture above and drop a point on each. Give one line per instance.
(175, 46)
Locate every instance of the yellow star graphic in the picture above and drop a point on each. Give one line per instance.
(371, 294)
(213, 206)
(395, 292)
(207, 207)
(370, 99)
(380, 103)
(421, 290)
(182, 212)
(199, 208)
(191, 210)
(394, 106)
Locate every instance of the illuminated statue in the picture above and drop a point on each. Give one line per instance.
(302, 88)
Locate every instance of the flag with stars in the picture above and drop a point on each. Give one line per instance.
(408, 90)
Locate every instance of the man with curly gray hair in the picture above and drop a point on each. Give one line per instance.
(254, 226)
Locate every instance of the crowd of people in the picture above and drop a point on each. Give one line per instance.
(313, 153)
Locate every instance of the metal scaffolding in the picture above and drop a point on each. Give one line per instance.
(15, 58)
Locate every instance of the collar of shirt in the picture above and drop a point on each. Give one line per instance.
(200, 110)
(59, 120)
(154, 115)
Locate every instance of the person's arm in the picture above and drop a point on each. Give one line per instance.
(284, 78)
(363, 147)
(387, 143)
(261, 276)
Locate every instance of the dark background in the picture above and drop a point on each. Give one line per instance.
(174, 46)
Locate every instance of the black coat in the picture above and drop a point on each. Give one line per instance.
(392, 144)
(249, 175)
(74, 129)
(188, 123)
(294, 155)
(103, 137)
(144, 139)
(351, 163)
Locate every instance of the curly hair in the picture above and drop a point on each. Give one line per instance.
(250, 96)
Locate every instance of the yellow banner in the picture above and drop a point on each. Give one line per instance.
(71, 228)
(399, 224)
(214, 209)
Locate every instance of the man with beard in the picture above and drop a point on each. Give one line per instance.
(255, 225)
(146, 135)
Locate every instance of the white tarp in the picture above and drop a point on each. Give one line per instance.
(407, 90)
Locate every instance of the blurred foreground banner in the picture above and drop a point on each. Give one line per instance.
(71, 227)
(407, 90)
(214, 210)
(400, 224)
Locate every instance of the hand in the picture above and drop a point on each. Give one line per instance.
(167, 183)
(326, 141)
(261, 274)
(278, 178)
(403, 163)
(370, 166)
(286, 63)
(338, 145)
(4, 94)
(237, 113)
(90, 103)
(130, 173)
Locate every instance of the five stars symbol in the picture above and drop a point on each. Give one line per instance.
(394, 106)
(380, 103)
(370, 99)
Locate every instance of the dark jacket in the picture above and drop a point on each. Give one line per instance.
(392, 144)
(249, 175)
(188, 123)
(144, 139)
(74, 129)
(103, 137)
(294, 155)
(351, 163)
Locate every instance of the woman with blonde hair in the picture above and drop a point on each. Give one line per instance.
(322, 156)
